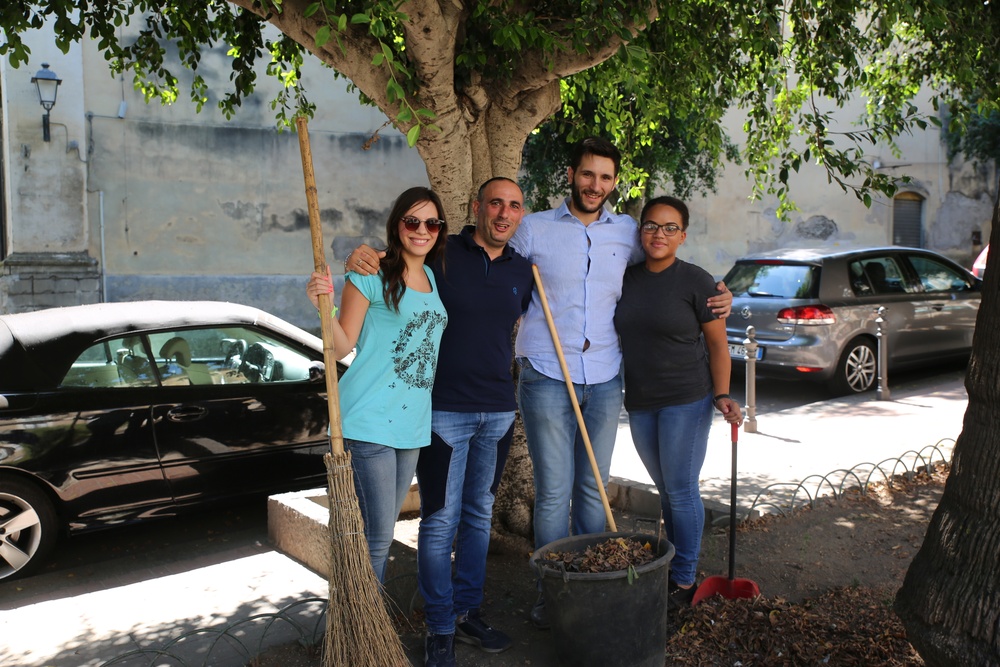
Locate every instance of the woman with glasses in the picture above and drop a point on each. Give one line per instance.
(395, 319)
(677, 370)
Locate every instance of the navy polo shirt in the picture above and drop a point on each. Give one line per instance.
(484, 298)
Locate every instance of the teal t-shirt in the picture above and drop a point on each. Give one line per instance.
(385, 394)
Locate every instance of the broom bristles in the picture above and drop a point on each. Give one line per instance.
(359, 632)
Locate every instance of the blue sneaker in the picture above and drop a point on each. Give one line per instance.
(439, 651)
(472, 629)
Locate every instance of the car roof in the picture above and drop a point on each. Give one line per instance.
(814, 255)
(36, 347)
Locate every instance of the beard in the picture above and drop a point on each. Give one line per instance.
(578, 201)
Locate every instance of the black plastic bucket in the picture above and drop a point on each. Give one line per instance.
(601, 619)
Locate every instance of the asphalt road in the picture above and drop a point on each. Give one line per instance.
(139, 548)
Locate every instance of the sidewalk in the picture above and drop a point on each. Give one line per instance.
(65, 623)
(815, 445)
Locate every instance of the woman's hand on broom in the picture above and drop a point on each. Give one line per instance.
(730, 409)
(319, 283)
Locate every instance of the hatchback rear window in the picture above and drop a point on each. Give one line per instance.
(770, 279)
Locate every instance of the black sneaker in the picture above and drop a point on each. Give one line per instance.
(472, 629)
(439, 651)
(677, 597)
(538, 615)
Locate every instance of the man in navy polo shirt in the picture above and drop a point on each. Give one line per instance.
(485, 287)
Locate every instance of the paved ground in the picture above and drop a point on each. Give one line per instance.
(61, 621)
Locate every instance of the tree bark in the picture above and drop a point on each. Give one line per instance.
(483, 123)
(950, 599)
(512, 529)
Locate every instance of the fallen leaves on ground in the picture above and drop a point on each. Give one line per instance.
(843, 627)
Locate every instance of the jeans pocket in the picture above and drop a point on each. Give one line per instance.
(527, 372)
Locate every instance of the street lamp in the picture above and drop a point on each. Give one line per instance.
(47, 83)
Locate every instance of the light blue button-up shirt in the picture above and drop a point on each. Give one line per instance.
(582, 268)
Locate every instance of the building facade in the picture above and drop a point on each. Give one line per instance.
(129, 200)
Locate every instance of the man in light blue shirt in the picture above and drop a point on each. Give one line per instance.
(581, 250)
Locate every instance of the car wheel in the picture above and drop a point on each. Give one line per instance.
(857, 368)
(28, 526)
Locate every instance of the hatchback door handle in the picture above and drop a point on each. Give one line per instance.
(186, 413)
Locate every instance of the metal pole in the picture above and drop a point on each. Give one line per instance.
(882, 390)
(750, 357)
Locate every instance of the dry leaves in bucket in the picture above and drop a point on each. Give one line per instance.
(612, 555)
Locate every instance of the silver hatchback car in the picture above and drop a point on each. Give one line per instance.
(814, 312)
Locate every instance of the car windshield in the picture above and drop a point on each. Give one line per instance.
(773, 279)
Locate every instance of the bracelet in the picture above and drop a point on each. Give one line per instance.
(332, 314)
(716, 399)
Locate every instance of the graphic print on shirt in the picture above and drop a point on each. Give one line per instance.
(414, 357)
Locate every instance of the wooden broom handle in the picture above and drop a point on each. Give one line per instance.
(325, 304)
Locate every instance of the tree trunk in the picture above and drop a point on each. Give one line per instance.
(484, 141)
(513, 509)
(950, 599)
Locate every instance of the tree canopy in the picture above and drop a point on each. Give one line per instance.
(467, 81)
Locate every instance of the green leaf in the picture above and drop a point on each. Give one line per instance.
(360, 18)
(413, 135)
(311, 9)
(394, 92)
(322, 36)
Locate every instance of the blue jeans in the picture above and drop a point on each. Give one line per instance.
(382, 478)
(672, 442)
(455, 475)
(563, 475)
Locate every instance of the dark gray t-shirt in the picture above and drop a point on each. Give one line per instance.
(659, 318)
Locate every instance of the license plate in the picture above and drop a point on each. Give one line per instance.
(739, 352)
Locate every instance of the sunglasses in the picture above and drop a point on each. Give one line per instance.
(412, 224)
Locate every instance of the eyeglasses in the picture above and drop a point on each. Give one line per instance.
(652, 228)
(412, 224)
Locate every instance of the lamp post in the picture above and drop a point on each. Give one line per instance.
(47, 84)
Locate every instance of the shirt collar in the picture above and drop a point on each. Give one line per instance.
(470, 243)
(564, 212)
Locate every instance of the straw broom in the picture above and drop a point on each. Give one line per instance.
(359, 632)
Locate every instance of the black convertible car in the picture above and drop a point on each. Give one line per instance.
(117, 412)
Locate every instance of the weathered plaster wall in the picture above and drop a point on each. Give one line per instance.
(958, 200)
(132, 200)
(46, 198)
(172, 203)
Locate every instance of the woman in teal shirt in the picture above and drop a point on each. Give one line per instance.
(395, 320)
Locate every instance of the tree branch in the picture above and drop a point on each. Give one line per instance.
(353, 61)
(539, 69)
